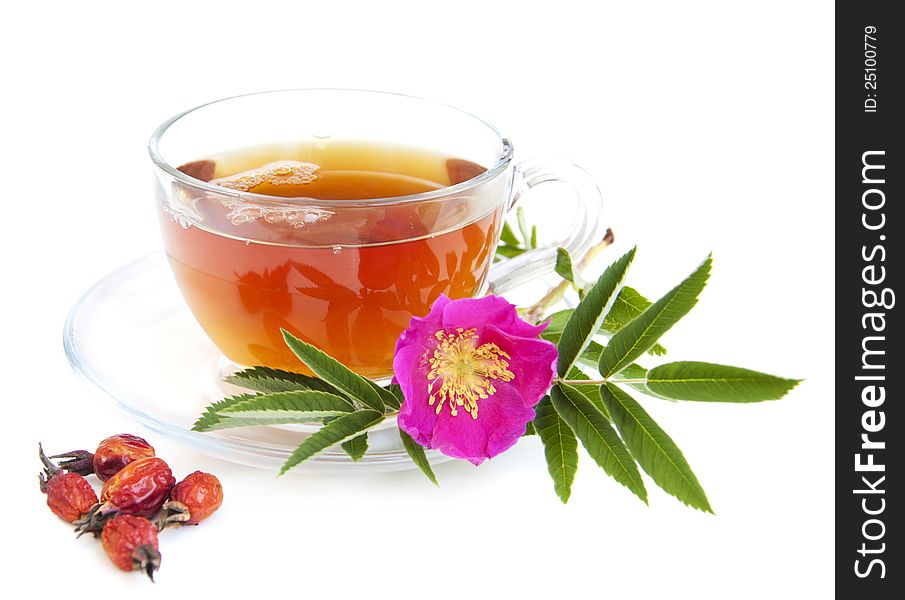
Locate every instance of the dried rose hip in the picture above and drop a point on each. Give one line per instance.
(69, 495)
(192, 500)
(117, 451)
(131, 543)
(112, 454)
(139, 489)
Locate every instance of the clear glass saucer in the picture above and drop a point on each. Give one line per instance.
(132, 336)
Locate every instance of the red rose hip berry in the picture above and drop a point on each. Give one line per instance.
(69, 495)
(117, 451)
(192, 500)
(112, 454)
(140, 488)
(131, 543)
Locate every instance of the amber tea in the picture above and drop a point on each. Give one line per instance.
(347, 281)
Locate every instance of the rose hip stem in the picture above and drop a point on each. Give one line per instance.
(80, 461)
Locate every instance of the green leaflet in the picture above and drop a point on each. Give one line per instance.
(705, 382)
(557, 322)
(638, 336)
(529, 429)
(590, 312)
(598, 437)
(356, 447)
(210, 420)
(509, 251)
(303, 406)
(563, 266)
(396, 392)
(388, 398)
(267, 380)
(416, 453)
(338, 375)
(560, 448)
(654, 450)
(335, 432)
(508, 236)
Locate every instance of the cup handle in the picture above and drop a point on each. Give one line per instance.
(585, 229)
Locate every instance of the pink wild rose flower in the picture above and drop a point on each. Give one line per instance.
(471, 372)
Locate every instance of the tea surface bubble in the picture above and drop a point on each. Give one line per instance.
(275, 174)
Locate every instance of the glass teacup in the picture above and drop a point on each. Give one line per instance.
(344, 264)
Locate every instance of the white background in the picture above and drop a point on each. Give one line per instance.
(707, 126)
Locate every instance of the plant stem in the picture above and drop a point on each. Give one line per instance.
(598, 381)
(536, 311)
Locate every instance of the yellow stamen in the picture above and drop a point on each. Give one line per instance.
(464, 371)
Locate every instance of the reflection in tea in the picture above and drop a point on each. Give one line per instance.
(346, 281)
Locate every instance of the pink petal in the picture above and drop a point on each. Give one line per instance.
(493, 310)
(501, 422)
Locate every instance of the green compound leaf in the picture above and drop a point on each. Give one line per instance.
(560, 448)
(638, 336)
(304, 406)
(654, 450)
(416, 453)
(589, 314)
(598, 437)
(335, 432)
(356, 447)
(267, 380)
(335, 373)
(706, 382)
